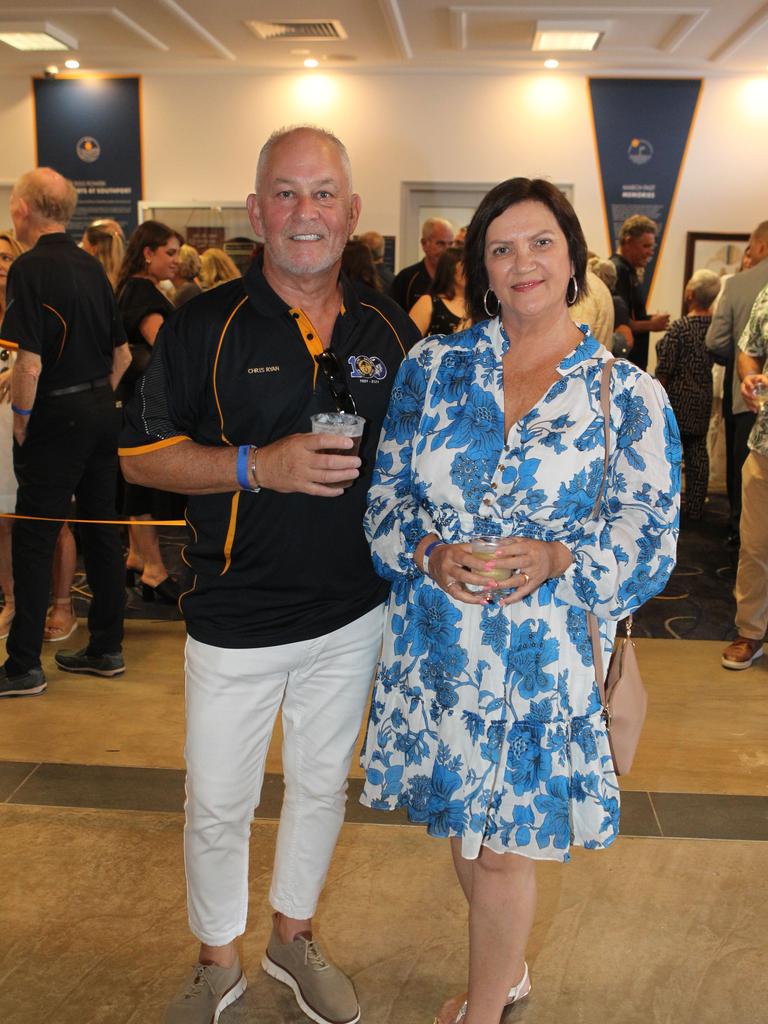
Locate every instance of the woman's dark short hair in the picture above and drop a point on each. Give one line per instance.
(151, 234)
(444, 281)
(510, 193)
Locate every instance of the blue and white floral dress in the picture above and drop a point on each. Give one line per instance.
(486, 721)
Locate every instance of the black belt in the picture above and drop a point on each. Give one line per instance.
(90, 385)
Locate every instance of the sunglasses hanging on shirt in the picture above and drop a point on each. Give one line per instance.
(337, 382)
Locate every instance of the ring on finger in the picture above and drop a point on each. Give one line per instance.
(450, 584)
(525, 575)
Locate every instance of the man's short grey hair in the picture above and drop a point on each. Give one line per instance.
(636, 226)
(760, 234)
(605, 270)
(282, 133)
(51, 198)
(429, 225)
(704, 287)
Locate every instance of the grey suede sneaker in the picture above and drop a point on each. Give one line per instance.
(209, 991)
(323, 992)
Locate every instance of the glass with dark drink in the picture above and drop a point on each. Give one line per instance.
(345, 425)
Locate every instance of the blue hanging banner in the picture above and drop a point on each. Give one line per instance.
(89, 130)
(642, 128)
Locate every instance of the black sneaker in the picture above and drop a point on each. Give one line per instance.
(27, 684)
(91, 664)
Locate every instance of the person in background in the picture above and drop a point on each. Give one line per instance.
(728, 324)
(9, 250)
(151, 257)
(595, 308)
(752, 575)
(461, 235)
(414, 281)
(103, 239)
(375, 243)
(486, 724)
(622, 339)
(107, 245)
(185, 278)
(216, 268)
(357, 263)
(71, 352)
(684, 369)
(637, 243)
(443, 310)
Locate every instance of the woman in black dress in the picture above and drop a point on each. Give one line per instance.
(151, 257)
(442, 311)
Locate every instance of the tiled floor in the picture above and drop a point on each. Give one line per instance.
(667, 927)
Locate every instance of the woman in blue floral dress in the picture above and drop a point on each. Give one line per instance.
(486, 722)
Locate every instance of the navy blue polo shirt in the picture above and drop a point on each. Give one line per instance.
(61, 306)
(236, 366)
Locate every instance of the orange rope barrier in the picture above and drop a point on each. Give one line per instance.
(98, 522)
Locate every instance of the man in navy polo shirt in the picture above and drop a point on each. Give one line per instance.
(285, 608)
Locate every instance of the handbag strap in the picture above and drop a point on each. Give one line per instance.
(592, 626)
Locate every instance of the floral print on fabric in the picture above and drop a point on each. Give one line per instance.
(486, 722)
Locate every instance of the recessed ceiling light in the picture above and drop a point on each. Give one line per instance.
(310, 62)
(52, 69)
(568, 35)
(73, 65)
(39, 35)
(551, 63)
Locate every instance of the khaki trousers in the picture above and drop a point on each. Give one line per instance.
(752, 575)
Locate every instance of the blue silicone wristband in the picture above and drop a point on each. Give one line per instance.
(431, 547)
(21, 412)
(243, 454)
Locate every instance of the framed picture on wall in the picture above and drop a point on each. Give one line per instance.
(721, 252)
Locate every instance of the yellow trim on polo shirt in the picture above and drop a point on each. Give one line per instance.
(376, 308)
(230, 533)
(63, 324)
(12, 345)
(155, 446)
(216, 363)
(310, 337)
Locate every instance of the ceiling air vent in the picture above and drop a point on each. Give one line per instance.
(298, 30)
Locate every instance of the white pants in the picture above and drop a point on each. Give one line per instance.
(232, 700)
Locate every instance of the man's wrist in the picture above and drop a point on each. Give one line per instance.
(246, 468)
(253, 473)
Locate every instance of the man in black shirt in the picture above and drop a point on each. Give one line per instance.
(414, 281)
(63, 322)
(637, 241)
(285, 605)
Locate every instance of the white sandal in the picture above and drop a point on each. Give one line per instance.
(516, 994)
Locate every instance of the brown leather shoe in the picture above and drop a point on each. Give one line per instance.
(741, 653)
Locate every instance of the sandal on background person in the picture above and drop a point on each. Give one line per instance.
(59, 624)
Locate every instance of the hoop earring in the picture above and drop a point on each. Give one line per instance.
(571, 300)
(488, 292)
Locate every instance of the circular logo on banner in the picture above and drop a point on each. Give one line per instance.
(640, 151)
(88, 149)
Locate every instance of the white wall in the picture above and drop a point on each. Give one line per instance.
(202, 135)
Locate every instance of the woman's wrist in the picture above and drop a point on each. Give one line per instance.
(561, 560)
(421, 548)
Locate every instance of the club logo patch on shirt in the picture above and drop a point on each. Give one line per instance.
(369, 368)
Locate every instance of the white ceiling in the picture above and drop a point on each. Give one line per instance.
(183, 36)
